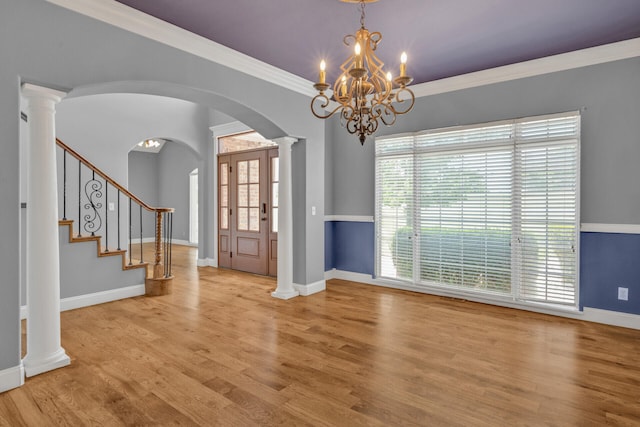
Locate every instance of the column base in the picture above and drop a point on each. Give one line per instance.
(158, 287)
(34, 367)
(285, 294)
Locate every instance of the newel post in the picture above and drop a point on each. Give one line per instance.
(160, 283)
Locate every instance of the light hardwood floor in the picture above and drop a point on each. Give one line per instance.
(221, 351)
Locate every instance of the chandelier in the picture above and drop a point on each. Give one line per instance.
(365, 94)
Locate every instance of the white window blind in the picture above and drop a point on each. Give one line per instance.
(489, 208)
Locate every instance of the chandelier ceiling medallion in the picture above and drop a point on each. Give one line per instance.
(365, 94)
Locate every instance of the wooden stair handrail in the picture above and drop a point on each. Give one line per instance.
(104, 176)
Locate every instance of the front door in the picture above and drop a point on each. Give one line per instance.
(245, 194)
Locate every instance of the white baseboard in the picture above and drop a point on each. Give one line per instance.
(312, 288)
(135, 241)
(93, 299)
(589, 314)
(184, 243)
(207, 262)
(11, 378)
(615, 318)
(144, 240)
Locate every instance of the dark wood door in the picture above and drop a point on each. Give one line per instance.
(244, 199)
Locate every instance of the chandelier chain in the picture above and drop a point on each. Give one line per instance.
(362, 15)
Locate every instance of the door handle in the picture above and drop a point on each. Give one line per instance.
(264, 208)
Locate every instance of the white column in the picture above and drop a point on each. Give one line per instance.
(44, 352)
(285, 289)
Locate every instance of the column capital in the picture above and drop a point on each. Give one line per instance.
(285, 141)
(33, 91)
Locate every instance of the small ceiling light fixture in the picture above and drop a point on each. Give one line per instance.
(149, 143)
(364, 92)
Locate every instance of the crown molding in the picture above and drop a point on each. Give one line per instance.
(550, 64)
(132, 20)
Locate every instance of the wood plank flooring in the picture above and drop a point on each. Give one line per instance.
(220, 351)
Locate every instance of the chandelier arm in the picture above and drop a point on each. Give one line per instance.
(322, 105)
(407, 103)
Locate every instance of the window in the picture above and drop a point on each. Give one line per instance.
(488, 208)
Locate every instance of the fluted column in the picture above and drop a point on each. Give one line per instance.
(44, 352)
(285, 289)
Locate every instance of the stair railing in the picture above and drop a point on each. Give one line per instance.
(95, 203)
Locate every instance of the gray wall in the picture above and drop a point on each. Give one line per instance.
(71, 52)
(175, 163)
(607, 95)
(143, 183)
(162, 180)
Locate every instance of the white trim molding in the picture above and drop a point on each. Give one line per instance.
(349, 218)
(536, 67)
(589, 314)
(311, 288)
(137, 22)
(11, 378)
(87, 300)
(615, 318)
(206, 262)
(134, 21)
(590, 227)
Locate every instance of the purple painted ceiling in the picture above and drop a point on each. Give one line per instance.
(443, 38)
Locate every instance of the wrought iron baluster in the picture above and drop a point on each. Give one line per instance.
(64, 185)
(130, 231)
(170, 238)
(119, 220)
(141, 258)
(165, 224)
(106, 216)
(93, 191)
(79, 198)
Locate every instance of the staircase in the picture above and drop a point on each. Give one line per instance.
(103, 211)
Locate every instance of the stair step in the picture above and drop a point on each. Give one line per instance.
(112, 252)
(101, 253)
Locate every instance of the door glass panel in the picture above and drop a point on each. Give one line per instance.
(224, 218)
(254, 171)
(224, 195)
(275, 168)
(274, 194)
(254, 195)
(242, 173)
(274, 220)
(224, 174)
(243, 219)
(254, 219)
(275, 174)
(243, 199)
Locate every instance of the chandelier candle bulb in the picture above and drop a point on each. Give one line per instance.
(323, 74)
(403, 64)
(358, 58)
(343, 87)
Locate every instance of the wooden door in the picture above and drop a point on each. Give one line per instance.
(244, 228)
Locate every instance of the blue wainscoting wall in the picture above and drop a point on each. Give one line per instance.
(607, 261)
(350, 246)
